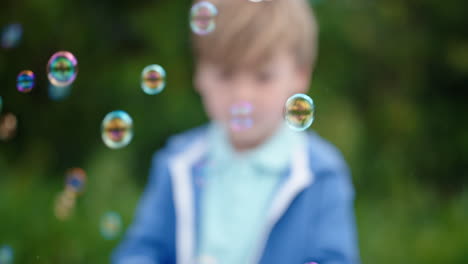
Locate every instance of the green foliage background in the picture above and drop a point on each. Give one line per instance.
(390, 88)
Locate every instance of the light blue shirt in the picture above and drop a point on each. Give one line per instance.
(238, 190)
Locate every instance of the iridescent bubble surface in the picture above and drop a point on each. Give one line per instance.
(1, 104)
(25, 81)
(6, 254)
(11, 35)
(117, 129)
(111, 225)
(299, 112)
(75, 180)
(241, 116)
(203, 18)
(153, 79)
(62, 69)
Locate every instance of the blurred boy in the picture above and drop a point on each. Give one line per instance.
(247, 189)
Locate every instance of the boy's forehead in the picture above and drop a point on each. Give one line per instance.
(254, 63)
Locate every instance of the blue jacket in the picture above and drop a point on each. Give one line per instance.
(311, 218)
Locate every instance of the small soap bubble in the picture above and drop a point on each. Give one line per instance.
(62, 69)
(117, 129)
(75, 180)
(8, 125)
(299, 112)
(11, 35)
(153, 79)
(25, 81)
(111, 225)
(6, 254)
(241, 116)
(1, 104)
(203, 18)
(64, 205)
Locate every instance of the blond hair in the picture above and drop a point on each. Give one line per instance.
(249, 33)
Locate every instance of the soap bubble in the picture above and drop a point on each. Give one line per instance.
(76, 180)
(6, 254)
(65, 204)
(62, 69)
(153, 79)
(11, 35)
(117, 129)
(1, 104)
(111, 225)
(202, 18)
(8, 125)
(25, 81)
(241, 116)
(299, 112)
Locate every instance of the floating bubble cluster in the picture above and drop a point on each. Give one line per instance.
(117, 129)
(299, 112)
(241, 116)
(25, 81)
(153, 79)
(203, 18)
(62, 69)
(6, 254)
(8, 125)
(111, 225)
(11, 35)
(74, 186)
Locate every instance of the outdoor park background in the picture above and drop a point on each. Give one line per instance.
(390, 89)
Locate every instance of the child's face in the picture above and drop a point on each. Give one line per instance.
(248, 102)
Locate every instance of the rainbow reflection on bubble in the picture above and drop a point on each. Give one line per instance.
(11, 35)
(6, 254)
(111, 225)
(153, 79)
(241, 118)
(75, 180)
(62, 69)
(203, 18)
(299, 112)
(117, 129)
(25, 81)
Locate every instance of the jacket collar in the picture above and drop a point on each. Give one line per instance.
(180, 166)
